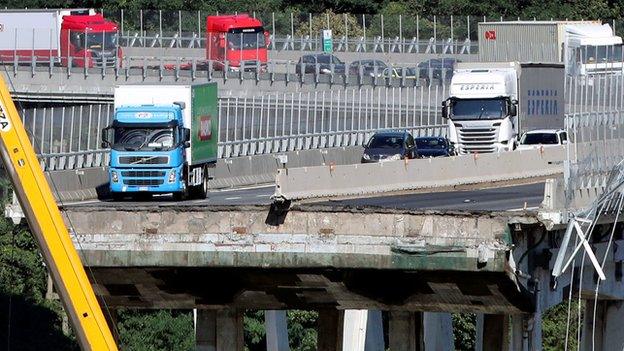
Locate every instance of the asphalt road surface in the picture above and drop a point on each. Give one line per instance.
(508, 198)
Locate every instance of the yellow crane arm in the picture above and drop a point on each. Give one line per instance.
(46, 223)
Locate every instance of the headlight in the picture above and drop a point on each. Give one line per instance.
(394, 157)
(366, 156)
(172, 176)
(114, 177)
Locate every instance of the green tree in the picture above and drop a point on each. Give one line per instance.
(555, 324)
(464, 329)
(155, 330)
(340, 24)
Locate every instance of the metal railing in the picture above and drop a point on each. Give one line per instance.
(281, 122)
(172, 69)
(301, 31)
(68, 136)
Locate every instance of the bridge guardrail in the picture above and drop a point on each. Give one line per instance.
(372, 178)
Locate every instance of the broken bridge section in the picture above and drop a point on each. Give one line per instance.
(317, 257)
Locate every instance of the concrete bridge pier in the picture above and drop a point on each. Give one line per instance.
(420, 331)
(363, 331)
(606, 334)
(330, 330)
(219, 330)
(276, 325)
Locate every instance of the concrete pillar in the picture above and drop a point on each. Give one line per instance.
(206, 330)
(405, 331)
(374, 332)
(438, 331)
(363, 331)
(330, 326)
(276, 327)
(517, 333)
(479, 332)
(495, 332)
(219, 330)
(607, 332)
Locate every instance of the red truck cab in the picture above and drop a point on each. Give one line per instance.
(90, 40)
(236, 41)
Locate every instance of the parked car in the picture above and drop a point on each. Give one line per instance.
(437, 69)
(308, 64)
(368, 67)
(542, 138)
(434, 147)
(399, 72)
(390, 146)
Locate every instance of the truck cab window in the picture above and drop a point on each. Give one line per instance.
(242, 39)
(471, 109)
(145, 139)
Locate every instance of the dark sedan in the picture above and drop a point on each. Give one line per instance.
(439, 69)
(390, 146)
(434, 147)
(326, 64)
(369, 67)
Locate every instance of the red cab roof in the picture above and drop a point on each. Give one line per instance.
(91, 23)
(227, 22)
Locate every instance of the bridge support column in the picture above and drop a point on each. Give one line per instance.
(405, 331)
(607, 333)
(492, 332)
(276, 326)
(330, 326)
(438, 331)
(363, 331)
(219, 330)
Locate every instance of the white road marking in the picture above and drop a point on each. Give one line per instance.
(233, 198)
(523, 209)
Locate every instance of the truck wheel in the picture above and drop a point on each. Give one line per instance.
(200, 191)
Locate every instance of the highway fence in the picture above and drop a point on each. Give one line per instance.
(595, 120)
(302, 31)
(68, 136)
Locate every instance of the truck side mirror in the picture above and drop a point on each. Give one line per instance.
(513, 110)
(267, 38)
(105, 141)
(187, 135)
(445, 109)
(181, 104)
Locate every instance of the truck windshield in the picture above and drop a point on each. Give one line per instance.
(470, 109)
(145, 139)
(103, 40)
(539, 138)
(244, 39)
(601, 54)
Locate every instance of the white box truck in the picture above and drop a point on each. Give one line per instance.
(585, 47)
(492, 103)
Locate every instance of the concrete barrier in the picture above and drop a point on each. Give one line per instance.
(91, 183)
(363, 179)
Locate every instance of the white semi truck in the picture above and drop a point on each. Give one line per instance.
(585, 47)
(492, 103)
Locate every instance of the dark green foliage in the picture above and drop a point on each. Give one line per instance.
(27, 320)
(554, 326)
(157, 330)
(302, 330)
(255, 333)
(464, 329)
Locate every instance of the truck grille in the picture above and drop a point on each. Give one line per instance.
(146, 160)
(143, 174)
(99, 61)
(476, 140)
(143, 182)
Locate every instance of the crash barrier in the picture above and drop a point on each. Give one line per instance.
(90, 183)
(372, 178)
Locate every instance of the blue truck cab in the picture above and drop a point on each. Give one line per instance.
(148, 149)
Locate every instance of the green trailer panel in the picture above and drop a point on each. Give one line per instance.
(204, 123)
